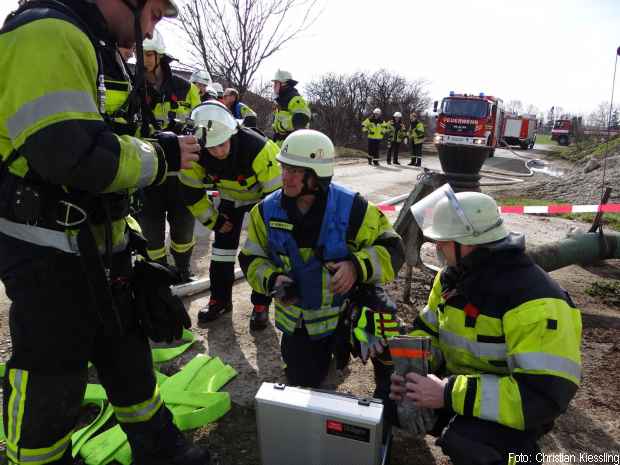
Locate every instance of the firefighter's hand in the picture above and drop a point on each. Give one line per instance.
(344, 276)
(377, 347)
(223, 225)
(283, 290)
(190, 151)
(425, 391)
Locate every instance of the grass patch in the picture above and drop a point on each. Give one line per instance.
(590, 147)
(609, 291)
(350, 152)
(545, 139)
(610, 220)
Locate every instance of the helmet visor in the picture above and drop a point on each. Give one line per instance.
(440, 215)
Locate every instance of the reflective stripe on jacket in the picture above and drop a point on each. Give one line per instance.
(512, 346)
(254, 173)
(374, 128)
(416, 133)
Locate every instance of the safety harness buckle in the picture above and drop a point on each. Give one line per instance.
(65, 218)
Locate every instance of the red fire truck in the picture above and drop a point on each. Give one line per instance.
(469, 120)
(564, 131)
(520, 130)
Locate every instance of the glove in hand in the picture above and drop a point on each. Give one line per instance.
(162, 315)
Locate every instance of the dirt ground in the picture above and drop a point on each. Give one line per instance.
(592, 422)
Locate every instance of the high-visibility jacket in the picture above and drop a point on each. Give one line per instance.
(375, 128)
(508, 335)
(243, 112)
(416, 132)
(248, 174)
(293, 112)
(51, 118)
(174, 100)
(395, 132)
(343, 225)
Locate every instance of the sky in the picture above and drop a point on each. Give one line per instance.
(541, 52)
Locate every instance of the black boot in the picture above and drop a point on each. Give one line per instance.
(159, 442)
(214, 310)
(260, 317)
(182, 262)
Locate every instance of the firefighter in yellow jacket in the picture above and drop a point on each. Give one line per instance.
(171, 100)
(66, 240)
(505, 337)
(291, 111)
(416, 136)
(310, 244)
(375, 128)
(240, 163)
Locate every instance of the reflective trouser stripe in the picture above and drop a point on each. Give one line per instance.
(40, 456)
(141, 412)
(156, 254)
(223, 255)
(182, 248)
(18, 379)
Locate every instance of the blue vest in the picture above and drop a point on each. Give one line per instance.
(331, 246)
(236, 110)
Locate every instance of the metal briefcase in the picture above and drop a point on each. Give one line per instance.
(298, 426)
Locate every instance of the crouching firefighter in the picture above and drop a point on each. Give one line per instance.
(240, 163)
(505, 338)
(308, 245)
(66, 240)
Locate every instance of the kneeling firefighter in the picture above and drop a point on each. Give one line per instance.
(311, 244)
(240, 162)
(66, 241)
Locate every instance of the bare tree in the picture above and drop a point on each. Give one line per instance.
(600, 116)
(515, 106)
(232, 38)
(341, 101)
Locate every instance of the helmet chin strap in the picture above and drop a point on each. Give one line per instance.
(457, 253)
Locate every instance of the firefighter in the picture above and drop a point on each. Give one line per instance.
(219, 91)
(239, 109)
(66, 239)
(375, 128)
(240, 163)
(416, 136)
(309, 244)
(505, 337)
(171, 99)
(395, 134)
(292, 111)
(202, 80)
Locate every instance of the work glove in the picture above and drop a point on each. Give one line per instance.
(162, 315)
(372, 330)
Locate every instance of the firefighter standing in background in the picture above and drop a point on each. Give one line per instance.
(241, 164)
(239, 109)
(416, 136)
(171, 100)
(310, 243)
(505, 337)
(202, 80)
(395, 134)
(374, 127)
(66, 239)
(292, 111)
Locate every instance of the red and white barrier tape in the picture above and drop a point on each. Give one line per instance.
(539, 209)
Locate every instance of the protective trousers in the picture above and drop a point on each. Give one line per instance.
(393, 152)
(55, 332)
(161, 203)
(224, 255)
(373, 151)
(472, 441)
(416, 154)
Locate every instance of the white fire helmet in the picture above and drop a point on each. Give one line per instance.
(469, 218)
(214, 122)
(311, 149)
